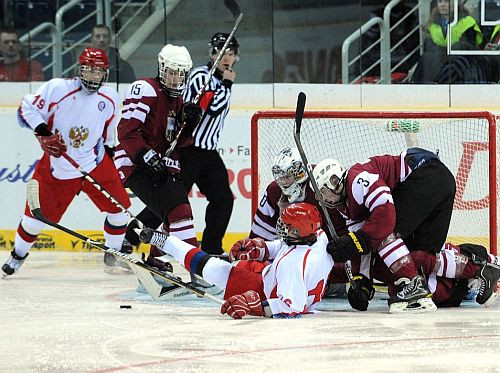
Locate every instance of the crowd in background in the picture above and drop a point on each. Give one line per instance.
(433, 65)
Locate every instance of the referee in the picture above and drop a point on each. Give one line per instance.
(201, 162)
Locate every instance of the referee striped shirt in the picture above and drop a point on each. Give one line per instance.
(215, 103)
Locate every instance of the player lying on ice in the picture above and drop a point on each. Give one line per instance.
(290, 286)
(397, 206)
(454, 274)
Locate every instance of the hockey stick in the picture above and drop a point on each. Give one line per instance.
(231, 4)
(34, 205)
(100, 188)
(299, 114)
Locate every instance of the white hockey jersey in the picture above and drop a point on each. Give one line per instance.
(82, 119)
(295, 281)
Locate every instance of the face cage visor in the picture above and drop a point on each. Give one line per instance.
(173, 80)
(93, 77)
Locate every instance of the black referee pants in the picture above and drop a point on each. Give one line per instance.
(424, 204)
(206, 169)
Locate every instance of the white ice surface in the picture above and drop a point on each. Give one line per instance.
(61, 313)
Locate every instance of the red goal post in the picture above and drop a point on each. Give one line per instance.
(466, 141)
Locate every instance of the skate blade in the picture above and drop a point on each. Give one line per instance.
(117, 270)
(491, 300)
(212, 289)
(420, 306)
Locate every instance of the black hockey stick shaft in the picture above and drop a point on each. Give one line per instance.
(36, 211)
(299, 115)
(100, 188)
(233, 6)
(173, 144)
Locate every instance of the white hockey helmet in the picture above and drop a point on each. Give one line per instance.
(330, 178)
(174, 64)
(290, 174)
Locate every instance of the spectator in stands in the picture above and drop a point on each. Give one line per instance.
(465, 34)
(119, 70)
(14, 67)
(493, 43)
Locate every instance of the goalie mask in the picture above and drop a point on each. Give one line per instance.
(298, 224)
(94, 65)
(174, 64)
(290, 174)
(330, 177)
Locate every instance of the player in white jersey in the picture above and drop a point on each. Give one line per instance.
(78, 117)
(290, 286)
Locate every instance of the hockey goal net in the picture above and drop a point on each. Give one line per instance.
(466, 142)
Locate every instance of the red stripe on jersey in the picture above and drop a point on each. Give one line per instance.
(183, 228)
(304, 263)
(50, 122)
(392, 250)
(274, 293)
(375, 198)
(109, 98)
(106, 125)
(445, 264)
(67, 95)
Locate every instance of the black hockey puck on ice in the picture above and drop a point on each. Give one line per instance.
(126, 306)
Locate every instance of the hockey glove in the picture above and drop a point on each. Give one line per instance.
(153, 164)
(349, 245)
(191, 115)
(241, 305)
(52, 144)
(249, 249)
(361, 294)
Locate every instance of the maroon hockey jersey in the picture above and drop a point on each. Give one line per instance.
(369, 189)
(270, 205)
(147, 112)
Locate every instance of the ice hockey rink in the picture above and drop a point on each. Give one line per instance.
(61, 313)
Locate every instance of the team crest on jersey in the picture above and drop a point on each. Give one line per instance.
(101, 105)
(78, 135)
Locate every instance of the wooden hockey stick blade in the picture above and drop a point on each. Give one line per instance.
(233, 7)
(34, 205)
(299, 111)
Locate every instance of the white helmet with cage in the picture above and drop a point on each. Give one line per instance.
(290, 174)
(174, 63)
(330, 177)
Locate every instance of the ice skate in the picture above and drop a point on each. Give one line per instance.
(13, 264)
(201, 284)
(115, 265)
(414, 296)
(489, 275)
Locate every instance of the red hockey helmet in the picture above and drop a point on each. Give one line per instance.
(94, 65)
(298, 223)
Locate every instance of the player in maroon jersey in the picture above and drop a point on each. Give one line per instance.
(454, 273)
(393, 205)
(289, 186)
(152, 114)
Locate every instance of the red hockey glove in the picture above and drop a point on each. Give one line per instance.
(239, 306)
(249, 249)
(52, 145)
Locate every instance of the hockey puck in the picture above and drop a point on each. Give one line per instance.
(126, 306)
